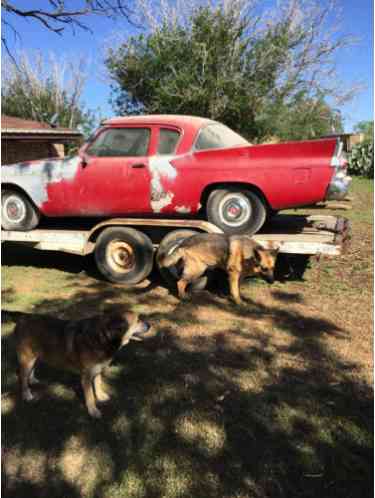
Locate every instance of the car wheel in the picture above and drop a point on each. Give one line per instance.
(169, 244)
(124, 255)
(236, 211)
(17, 212)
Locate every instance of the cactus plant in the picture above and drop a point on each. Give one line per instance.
(361, 160)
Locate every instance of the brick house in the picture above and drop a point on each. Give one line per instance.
(25, 140)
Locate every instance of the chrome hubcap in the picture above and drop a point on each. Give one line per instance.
(234, 209)
(14, 209)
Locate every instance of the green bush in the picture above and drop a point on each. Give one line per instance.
(361, 160)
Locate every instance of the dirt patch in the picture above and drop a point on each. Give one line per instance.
(270, 399)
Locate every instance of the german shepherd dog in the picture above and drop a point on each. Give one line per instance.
(84, 346)
(238, 255)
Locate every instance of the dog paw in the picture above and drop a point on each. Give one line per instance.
(35, 382)
(103, 397)
(95, 413)
(28, 396)
(237, 302)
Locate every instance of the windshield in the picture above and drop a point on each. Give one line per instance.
(217, 136)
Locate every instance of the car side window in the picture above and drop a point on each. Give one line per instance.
(208, 139)
(121, 142)
(216, 136)
(168, 140)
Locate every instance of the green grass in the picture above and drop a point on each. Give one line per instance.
(270, 399)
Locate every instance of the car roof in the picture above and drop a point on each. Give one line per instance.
(162, 119)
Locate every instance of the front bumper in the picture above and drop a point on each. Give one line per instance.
(338, 187)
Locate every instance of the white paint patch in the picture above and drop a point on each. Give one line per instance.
(182, 209)
(160, 167)
(34, 177)
(335, 161)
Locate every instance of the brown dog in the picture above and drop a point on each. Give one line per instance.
(84, 346)
(238, 255)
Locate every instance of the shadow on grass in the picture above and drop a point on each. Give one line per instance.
(288, 268)
(14, 254)
(212, 415)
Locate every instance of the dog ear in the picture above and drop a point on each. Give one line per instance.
(257, 253)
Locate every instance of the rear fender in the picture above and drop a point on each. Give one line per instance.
(232, 185)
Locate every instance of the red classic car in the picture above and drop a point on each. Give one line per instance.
(174, 166)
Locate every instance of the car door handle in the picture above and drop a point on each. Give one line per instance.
(138, 165)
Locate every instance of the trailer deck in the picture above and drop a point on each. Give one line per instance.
(296, 234)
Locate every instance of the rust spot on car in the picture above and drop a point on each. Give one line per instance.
(182, 209)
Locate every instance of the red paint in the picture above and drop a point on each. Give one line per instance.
(288, 174)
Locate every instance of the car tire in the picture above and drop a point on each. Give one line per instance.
(17, 212)
(169, 244)
(236, 211)
(271, 214)
(124, 255)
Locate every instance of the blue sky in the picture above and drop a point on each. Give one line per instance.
(354, 64)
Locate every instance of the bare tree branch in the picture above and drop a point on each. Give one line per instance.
(56, 16)
(5, 43)
(40, 87)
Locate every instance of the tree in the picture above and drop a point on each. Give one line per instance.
(304, 118)
(57, 15)
(367, 128)
(232, 63)
(46, 89)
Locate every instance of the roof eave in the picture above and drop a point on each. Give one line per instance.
(17, 134)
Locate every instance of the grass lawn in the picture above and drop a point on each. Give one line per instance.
(272, 399)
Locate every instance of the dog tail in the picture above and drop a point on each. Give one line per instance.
(171, 259)
(11, 316)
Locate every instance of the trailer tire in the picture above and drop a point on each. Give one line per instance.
(17, 212)
(124, 255)
(169, 244)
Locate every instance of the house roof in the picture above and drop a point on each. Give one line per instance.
(10, 122)
(12, 127)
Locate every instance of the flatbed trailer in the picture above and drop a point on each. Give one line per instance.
(116, 242)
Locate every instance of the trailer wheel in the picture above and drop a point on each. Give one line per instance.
(169, 244)
(17, 212)
(124, 255)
